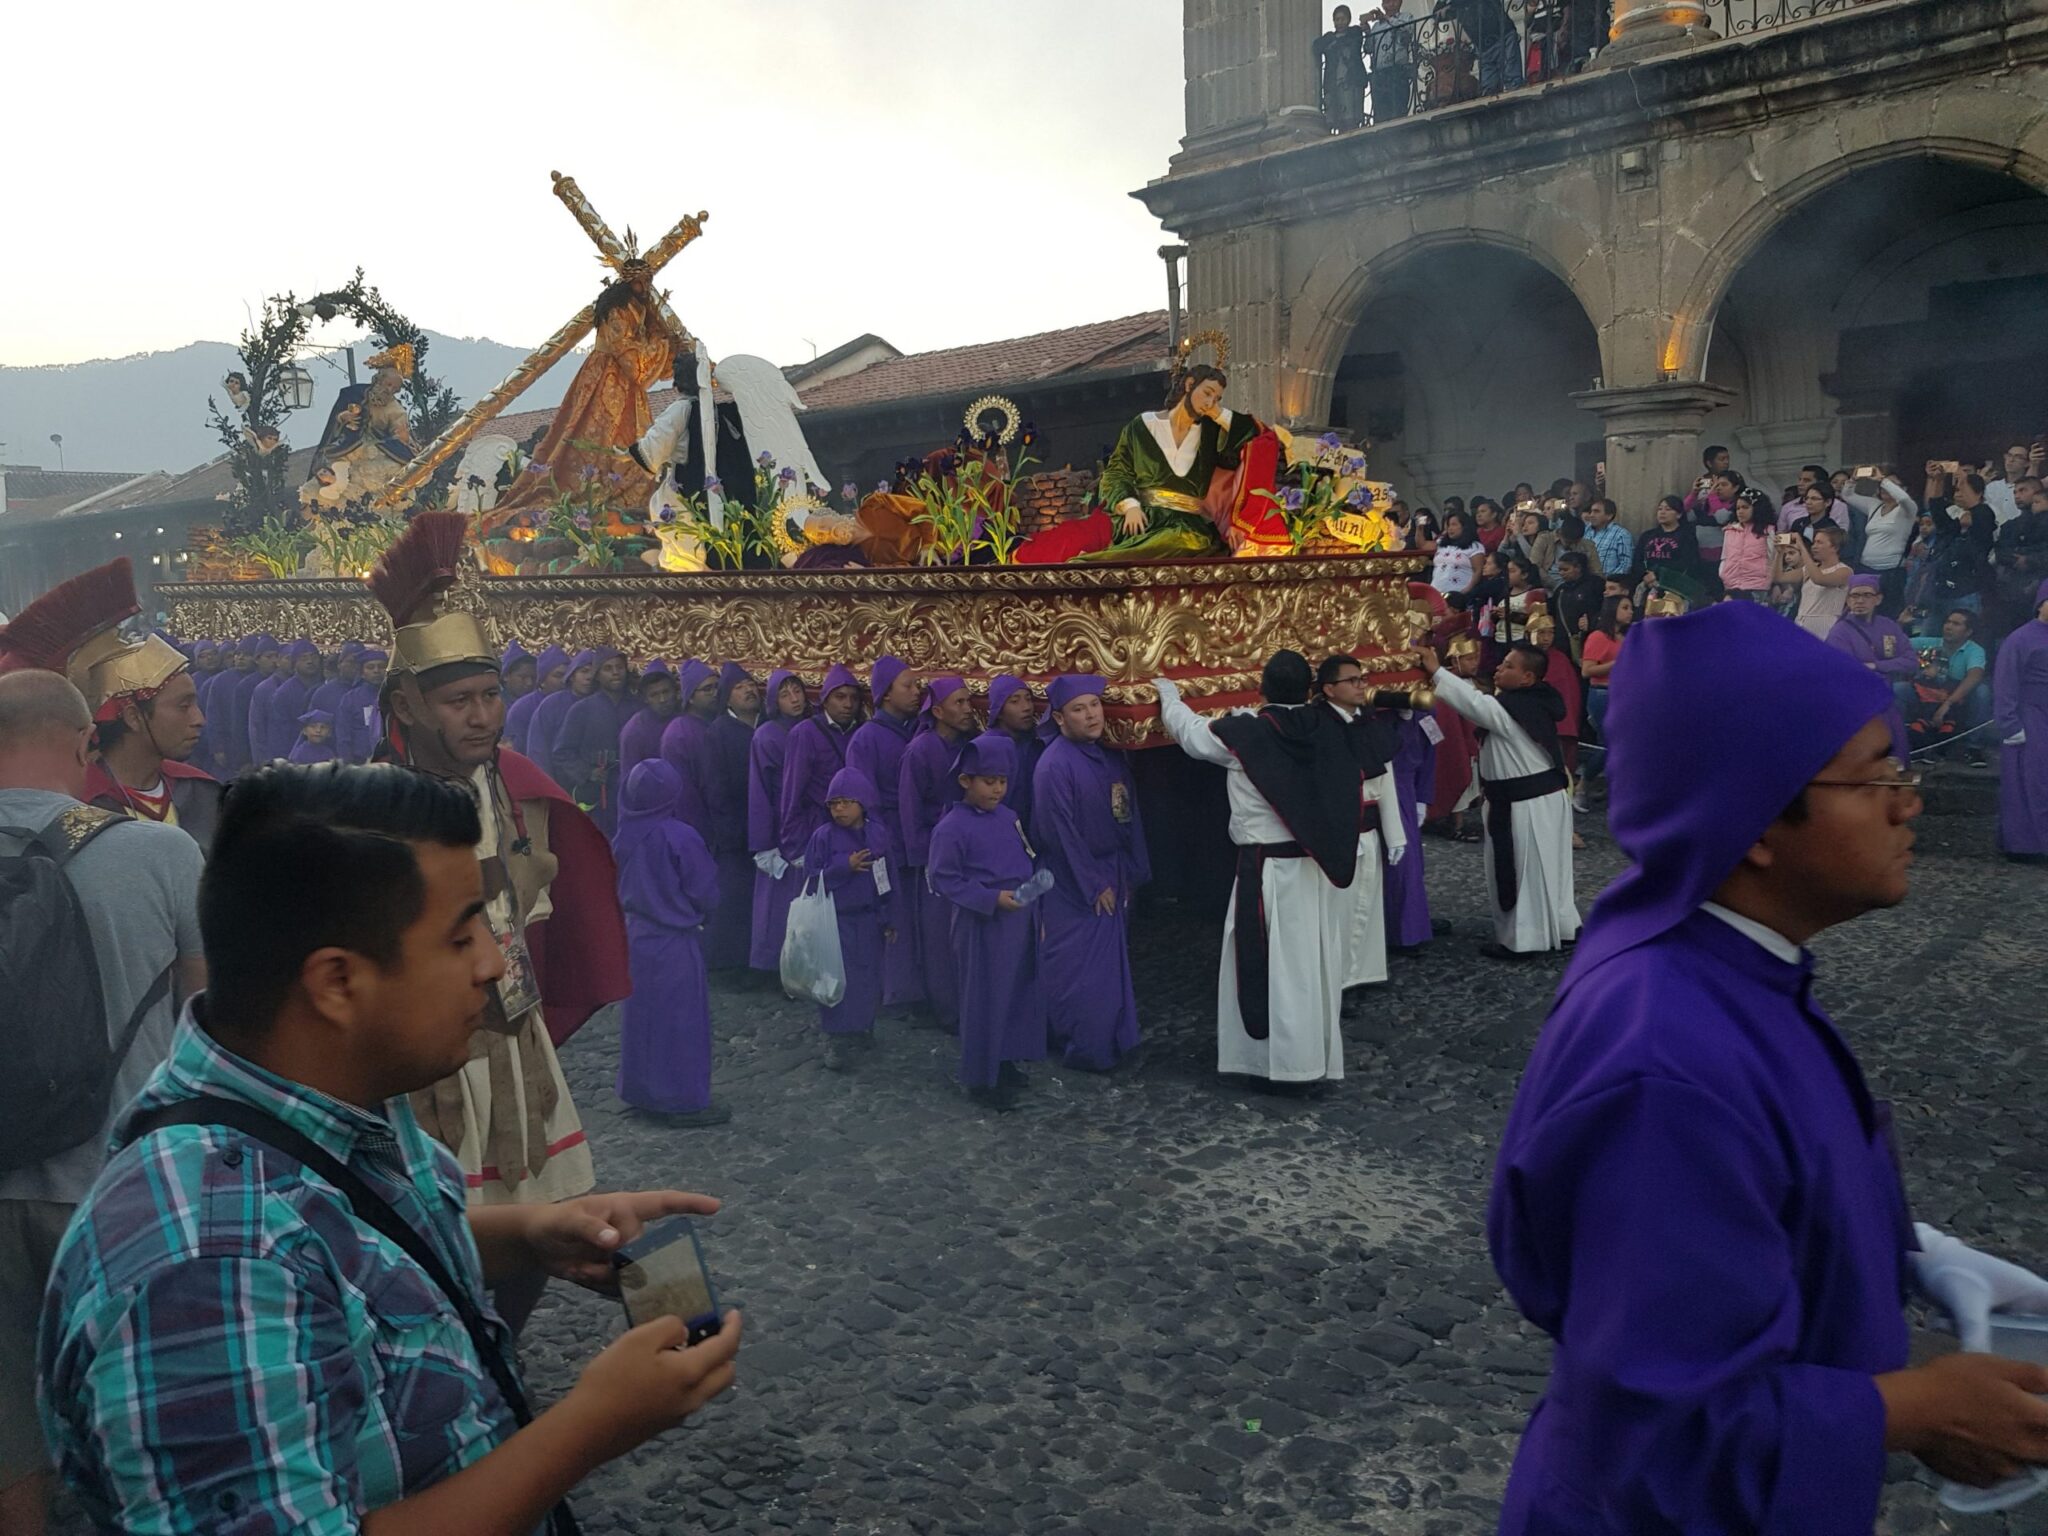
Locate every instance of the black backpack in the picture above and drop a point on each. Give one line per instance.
(59, 1065)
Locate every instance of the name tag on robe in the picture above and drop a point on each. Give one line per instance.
(1891, 646)
(1433, 731)
(1120, 801)
(880, 870)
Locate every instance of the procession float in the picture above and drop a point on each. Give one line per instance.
(708, 529)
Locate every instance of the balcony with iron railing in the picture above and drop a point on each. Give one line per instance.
(1455, 51)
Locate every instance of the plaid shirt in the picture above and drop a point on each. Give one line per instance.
(1617, 550)
(226, 1348)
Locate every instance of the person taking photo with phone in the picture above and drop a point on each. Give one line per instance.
(278, 1249)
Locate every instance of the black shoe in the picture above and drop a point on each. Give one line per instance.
(1012, 1076)
(1001, 1098)
(696, 1119)
(1502, 952)
(838, 1054)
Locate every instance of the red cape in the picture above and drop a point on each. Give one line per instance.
(579, 952)
(1454, 758)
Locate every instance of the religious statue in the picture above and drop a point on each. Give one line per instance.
(368, 429)
(604, 414)
(1184, 481)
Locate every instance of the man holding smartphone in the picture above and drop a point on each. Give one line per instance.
(279, 1250)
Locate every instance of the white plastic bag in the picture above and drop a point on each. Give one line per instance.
(812, 967)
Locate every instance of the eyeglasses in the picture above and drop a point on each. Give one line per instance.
(1899, 777)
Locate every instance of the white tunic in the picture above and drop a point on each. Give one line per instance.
(1366, 943)
(1307, 931)
(1545, 913)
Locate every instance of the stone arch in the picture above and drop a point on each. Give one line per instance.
(1342, 285)
(1692, 322)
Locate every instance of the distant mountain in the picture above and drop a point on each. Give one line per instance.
(149, 411)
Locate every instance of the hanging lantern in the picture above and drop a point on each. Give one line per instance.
(297, 386)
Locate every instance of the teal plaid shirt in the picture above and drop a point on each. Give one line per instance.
(226, 1348)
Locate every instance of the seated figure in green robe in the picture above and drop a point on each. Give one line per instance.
(1156, 485)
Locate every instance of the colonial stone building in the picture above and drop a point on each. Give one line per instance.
(1814, 237)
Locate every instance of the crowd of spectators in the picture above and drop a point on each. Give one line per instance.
(1955, 551)
(1394, 59)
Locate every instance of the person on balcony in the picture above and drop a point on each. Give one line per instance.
(1496, 45)
(1391, 40)
(1340, 72)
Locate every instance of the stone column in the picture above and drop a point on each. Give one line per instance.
(1773, 452)
(1436, 472)
(1645, 27)
(1234, 287)
(1653, 440)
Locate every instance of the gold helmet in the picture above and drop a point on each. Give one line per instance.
(410, 581)
(75, 629)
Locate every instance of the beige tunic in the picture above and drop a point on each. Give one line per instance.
(507, 1115)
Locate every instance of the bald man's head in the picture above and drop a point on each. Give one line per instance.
(45, 733)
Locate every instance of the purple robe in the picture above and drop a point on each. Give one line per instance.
(817, 751)
(974, 855)
(586, 753)
(1030, 747)
(1086, 827)
(641, 738)
(304, 751)
(863, 911)
(667, 889)
(2019, 698)
(236, 746)
(328, 695)
(262, 727)
(877, 750)
(926, 789)
(357, 724)
(215, 694)
(1695, 1198)
(1414, 765)
(686, 747)
(545, 727)
(1879, 643)
(772, 896)
(519, 718)
(729, 943)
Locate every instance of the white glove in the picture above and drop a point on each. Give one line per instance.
(1973, 1285)
(1421, 811)
(1167, 689)
(1394, 855)
(2019, 740)
(771, 863)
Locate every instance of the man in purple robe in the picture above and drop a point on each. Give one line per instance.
(1014, 711)
(359, 721)
(275, 712)
(216, 696)
(659, 703)
(551, 671)
(686, 743)
(982, 867)
(1695, 1195)
(846, 853)
(239, 741)
(348, 671)
(2019, 698)
(1882, 647)
(1407, 899)
(776, 880)
(817, 751)
(1085, 825)
(928, 786)
(545, 727)
(586, 749)
(877, 750)
(516, 669)
(728, 942)
(668, 890)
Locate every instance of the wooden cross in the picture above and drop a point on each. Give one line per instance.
(557, 346)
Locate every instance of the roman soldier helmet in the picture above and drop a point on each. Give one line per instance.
(411, 582)
(75, 629)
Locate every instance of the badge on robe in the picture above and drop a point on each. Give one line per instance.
(1432, 732)
(1891, 646)
(1120, 801)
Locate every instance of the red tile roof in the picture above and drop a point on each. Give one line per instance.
(1105, 346)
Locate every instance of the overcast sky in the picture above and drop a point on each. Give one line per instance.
(937, 171)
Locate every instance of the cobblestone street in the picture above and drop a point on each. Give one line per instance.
(1154, 1303)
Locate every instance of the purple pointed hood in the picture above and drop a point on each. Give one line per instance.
(838, 675)
(991, 754)
(773, 687)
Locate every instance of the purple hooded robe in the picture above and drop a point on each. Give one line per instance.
(976, 856)
(360, 721)
(927, 786)
(772, 894)
(519, 718)
(667, 889)
(2019, 699)
(586, 748)
(1695, 1195)
(817, 751)
(545, 728)
(862, 909)
(1029, 744)
(877, 750)
(1414, 765)
(686, 747)
(640, 737)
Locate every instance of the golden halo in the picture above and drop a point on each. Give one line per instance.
(1012, 418)
(800, 506)
(1215, 340)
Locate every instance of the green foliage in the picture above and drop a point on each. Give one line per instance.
(276, 544)
(259, 491)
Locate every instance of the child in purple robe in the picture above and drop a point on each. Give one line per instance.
(550, 672)
(848, 854)
(729, 942)
(979, 863)
(316, 738)
(776, 880)
(928, 786)
(877, 750)
(1085, 825)
(817, 751)
(1407, 900)
(667, 889)
(2020, 711)
(686, 742)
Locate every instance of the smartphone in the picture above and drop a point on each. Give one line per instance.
(2020, 1336)
(662, 1274)
(1866, 471)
